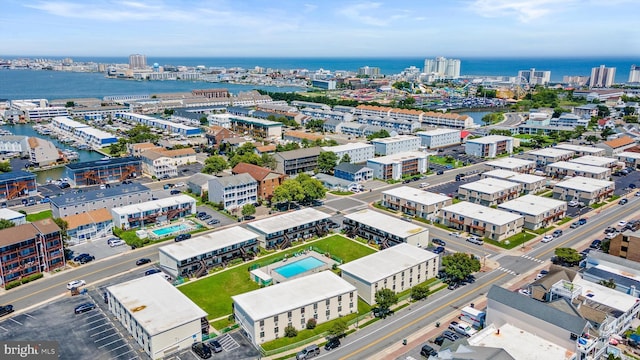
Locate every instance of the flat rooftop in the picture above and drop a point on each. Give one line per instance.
(606, 296)
(436, 132)
(146, 206)
(514, 176)
(594, 160)
(386, 223)
(627, 154)
(347, 147)
(580, 148)
(382, 264)
(71, 198)
(293, 294)
(286, 221)
(156, 304)
(210, 242)
(585, 184)
(551, 152)
(399, 157)
(482, 213)
(490, 186)
(102, 163)
(511, 163)
(490, 139)
(417, 195)
(566, 165)
(519, 343)
(395, 139)
(532, 205)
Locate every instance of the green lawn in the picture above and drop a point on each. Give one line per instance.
(39, 216)
(213, 294)
(341, 193)
(512, 241)
(565, 220)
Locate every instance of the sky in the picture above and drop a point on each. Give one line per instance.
(326, 28)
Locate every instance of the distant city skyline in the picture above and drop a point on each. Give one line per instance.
(287, 28)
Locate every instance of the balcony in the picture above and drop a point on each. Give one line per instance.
(477, 227)
(456, 221)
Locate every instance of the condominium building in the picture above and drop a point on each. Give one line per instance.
(546, 156)
(489, 146)
(616, 146)
(353, 172)
(73, 203)
(595, 161)
(513, 164)
(357, 152)
(438, 138)
(234, 191)
(103, 171)
(15, 184)
(163, 163)
(14, 144)
(30, 249)
(93, 224)
(531, 184)
(384, 230)
(538, 212)
(428, 118)
(444, 68)
(481, 220)
(634, 74)
(42, 152)
(256, 128)
(280, 230)
(602, 77)
(391, 124)
(534, 77)
(397, 268)
(561, 169)
(17, 218)
(265, 313)
(297, 161)
(394, 167)
(395, 144)
(194, 257)
(583, 189)
(581, 150)
(165, 125)
(489, 191)
(137, 62)
(301, 137)
(629, 158)
(91, 136)
(38, 110)
(415, 202)
(267, 179)
(153, 212)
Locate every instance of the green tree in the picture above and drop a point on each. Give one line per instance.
(313, 188)
(4, 224)
(290, 331)
(315, 125)
(385, 298)
(290, 190)
(64, 226)
(5, 166)
(140, 134)
(204, 121)
(629, 110)
(419, 292)
(345, 159)
(606, 132)
(248, 210)
(592, 139)
(603, 111)
(70, 104)
(214, 164)
(338, 328)
(311, 324)
(268, 161)
(379, 135)
(460, 265)
(327, 160)
(568, 255)
(611, 284)
(169, 111)
(118, 147)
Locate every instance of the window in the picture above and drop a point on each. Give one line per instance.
(275, 319)
(328, 302)
(275, 330)
(351, 294)
(339, 297)
(261, 323)
(301, 310)
(315, 306)
(339, 309)
(261, 334)
(289, 314)
(328, 312)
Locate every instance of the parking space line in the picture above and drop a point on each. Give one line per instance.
(133, 358)
(121, 346)
(124, 353)
(92, 316)
(4, 329)
(106, 337)
(113, 342)
(28, 315)
(15, 321)
(93, 322)
(100, 332)
(99, 326)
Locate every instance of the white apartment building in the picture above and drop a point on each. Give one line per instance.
(580, 150)
(481, 220)
(384, 230)
(415, 202)
(534, 77)
(513, 164)
(546, 156)
(395, 144)
(358, 152)
(141, 305)
(438, 138)
(583, 189)
(595, 161)
(393, 167)
(264, 314)
(489, 146)
(14, 143)
(43, 152)
(161, 163)
(233, 191)
(602, 77)
(538, 212)
(281, 230)
(38, 109)
(153, 212)
(629, 158)
(531, 184)
(442, 67)
(561, 169)
(397, 268)
(489, 191)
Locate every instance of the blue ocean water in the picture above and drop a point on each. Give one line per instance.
(20, 84)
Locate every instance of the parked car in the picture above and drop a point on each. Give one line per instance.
(6, 309)
(438, 242)
(75, 284)
(333, 343)
(213, 222)
(596, 244)
(381, 313)
(84, 308)
(573, 203)
(308, 352)
(452, 325)
(182, 237)
(79, 257)
(622, 223)
(453, 285)
(180, 184)
(175, 192)
(201, 350)
(440, 172)
(524, 292)
(428, 351)
(215, 346)
(152, 271)
(143, 261)
(450, 335)
(87, 259)
(475, 240)
(117, 242)
(438, 250)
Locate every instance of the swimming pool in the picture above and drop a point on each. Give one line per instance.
(170, 229)
(298, 267)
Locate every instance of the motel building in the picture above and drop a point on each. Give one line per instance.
(481, 220)
(397, 268)
(538, 212)
(264, 313)
(587, 190)
(489, 192)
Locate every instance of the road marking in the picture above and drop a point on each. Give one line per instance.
(131, 351)
(15, 321)
(227, 342)
(25, 314)
(417, 320)
(532, 259)
(113, 342)
(4, 329)
(106, 337)
(119, 347)
(91, 323)
(100, 332)
(507, 271)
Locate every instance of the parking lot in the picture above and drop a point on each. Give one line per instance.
(235, 346)
(623, 182)
(451, 188)
(223, 220)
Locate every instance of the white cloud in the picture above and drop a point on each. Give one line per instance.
(361, 13)
(523, 10)
(309, 8)
(113, 11)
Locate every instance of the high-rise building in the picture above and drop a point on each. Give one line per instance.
(575, 80)
(535, 77)
(443, 67)
(137, 62)
(369, 71)
(602, 76)
(634, 74)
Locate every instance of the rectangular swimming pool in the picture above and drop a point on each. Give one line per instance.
(170, 229)
(298, 267)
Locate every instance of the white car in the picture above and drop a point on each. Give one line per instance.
(524, 292)
(611, 235)
(573, 203)
(118, 242)
(456, 234)
(547, 238)
(180, 184)
(622, 223)
(75, 284)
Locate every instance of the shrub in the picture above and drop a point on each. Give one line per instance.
(12, 284)
(290, 331)
(31, 278)
(311, 324)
